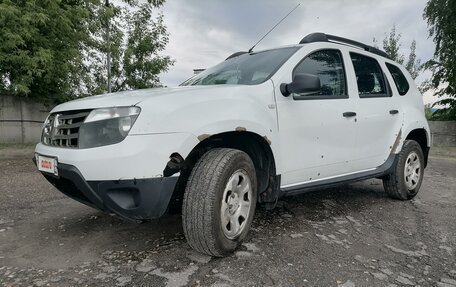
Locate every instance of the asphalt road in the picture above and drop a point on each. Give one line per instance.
(352, 235)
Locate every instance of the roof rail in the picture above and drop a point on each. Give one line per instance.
(322, 37)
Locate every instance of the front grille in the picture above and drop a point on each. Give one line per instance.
(62, 129)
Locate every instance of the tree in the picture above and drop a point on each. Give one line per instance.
(440, 16)
(40, 55)
(127, 59)
(103, 48)
(146, 38)
(413, 64)
(107, 24)
(53, 51)
(428, 112)
(392, 45)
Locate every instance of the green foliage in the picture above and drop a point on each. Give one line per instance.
(428, 112)
(53, 51)
(447, 113)
(146, 38)
(154, 3)
(133, 39)
(392, 45)
(413, 64)
(105, 37)
(40, 48)
(440, 16)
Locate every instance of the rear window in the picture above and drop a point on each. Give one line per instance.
(369, 77)
(400, 80)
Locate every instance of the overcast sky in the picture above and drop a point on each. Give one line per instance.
(204, 32)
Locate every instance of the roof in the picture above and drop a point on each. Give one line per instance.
(322, 37)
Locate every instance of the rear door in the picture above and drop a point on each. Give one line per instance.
(379, 112)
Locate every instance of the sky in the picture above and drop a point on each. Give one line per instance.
(205, 32)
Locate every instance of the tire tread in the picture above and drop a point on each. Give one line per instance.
(392, 183)
(201, 192)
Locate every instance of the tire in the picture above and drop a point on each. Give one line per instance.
(405, 180)
(207, 192)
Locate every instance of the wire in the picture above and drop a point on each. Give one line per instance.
(251, 49)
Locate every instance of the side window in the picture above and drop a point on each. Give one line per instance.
(369, 77)
(400, 80)
(329, 67)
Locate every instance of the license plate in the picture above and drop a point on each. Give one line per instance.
(47, 164)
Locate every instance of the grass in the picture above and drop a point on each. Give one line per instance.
(17, 146)
(9, 151)
(443, 151)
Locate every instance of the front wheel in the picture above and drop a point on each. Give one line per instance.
(219, 201)
(405, 180)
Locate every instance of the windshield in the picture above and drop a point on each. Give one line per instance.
(247, 69)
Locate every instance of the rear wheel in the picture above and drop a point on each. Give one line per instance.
(405, 180)
(219, 201)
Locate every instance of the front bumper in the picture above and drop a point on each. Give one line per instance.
(137, 156)
(134, 200)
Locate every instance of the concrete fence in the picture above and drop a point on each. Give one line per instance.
(443, 133)
(21, 120)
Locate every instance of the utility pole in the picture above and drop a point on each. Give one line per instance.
(108, 55)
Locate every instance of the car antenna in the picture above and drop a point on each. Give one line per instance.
(251, 49)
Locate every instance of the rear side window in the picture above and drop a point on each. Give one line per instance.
(369, 77)
(400, 80)
(328, 66)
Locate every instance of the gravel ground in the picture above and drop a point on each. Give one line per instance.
(352, 235)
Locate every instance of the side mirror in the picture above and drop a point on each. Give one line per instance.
(304, 84)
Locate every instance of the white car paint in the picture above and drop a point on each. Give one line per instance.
(138, 156)
(310, 139)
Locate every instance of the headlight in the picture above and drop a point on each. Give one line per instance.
(107, 126)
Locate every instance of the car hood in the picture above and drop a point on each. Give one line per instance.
(192, 109)
(131, 98)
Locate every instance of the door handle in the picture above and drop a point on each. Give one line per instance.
(349, 114)
(393, 112)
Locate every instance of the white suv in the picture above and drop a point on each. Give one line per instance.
(258, 126)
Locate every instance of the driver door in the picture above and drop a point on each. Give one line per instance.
(317, 132)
